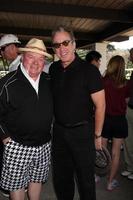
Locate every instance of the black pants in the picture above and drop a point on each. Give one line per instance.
(73, 155)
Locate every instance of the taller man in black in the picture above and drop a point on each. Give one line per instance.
(77, 89)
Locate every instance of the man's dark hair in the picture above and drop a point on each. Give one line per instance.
(93, 55)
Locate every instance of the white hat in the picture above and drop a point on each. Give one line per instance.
(8, 39)
(36, 46)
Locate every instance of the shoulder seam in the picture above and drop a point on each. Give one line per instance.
(6, 84)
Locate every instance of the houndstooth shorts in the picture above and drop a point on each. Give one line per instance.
(23, 164)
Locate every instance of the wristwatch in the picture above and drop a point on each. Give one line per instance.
(97, 136)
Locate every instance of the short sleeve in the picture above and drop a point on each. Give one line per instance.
(94, 79)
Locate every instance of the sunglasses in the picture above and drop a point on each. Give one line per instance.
(64, 43)
(4, 47)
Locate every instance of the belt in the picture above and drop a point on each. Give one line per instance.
(72, 125)
(130, 106)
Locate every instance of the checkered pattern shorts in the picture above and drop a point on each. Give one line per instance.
(22, 164)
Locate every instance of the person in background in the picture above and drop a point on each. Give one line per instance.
(9, 51)
(26, 113)
(128, 143)
(76, 88)
(115, 125)
(94, 57)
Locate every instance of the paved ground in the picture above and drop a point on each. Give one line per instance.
(124, 192)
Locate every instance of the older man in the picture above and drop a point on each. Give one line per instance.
(25, 123)
(77, 87)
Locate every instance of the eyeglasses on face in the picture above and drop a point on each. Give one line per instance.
(64, 43)
(4, 47)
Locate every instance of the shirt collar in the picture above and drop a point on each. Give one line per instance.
(34, 83)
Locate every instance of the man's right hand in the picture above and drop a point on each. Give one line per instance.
(6, 140)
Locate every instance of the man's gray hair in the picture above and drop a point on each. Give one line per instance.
(63, 29)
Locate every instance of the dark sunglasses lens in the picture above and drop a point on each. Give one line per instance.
(66, 42)
(3, 48)
(17, 44)
(56, 45)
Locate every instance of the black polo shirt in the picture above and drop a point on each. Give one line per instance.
(72, 88)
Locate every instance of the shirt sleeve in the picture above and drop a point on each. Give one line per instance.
(94, 79)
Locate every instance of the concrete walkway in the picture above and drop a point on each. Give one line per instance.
(124, 192)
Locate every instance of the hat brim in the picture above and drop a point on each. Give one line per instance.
(35, 51)
(16, 42)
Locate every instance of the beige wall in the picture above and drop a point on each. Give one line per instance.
(102, 49)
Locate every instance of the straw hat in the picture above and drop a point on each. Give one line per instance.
(102, 162)
(36, 46)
